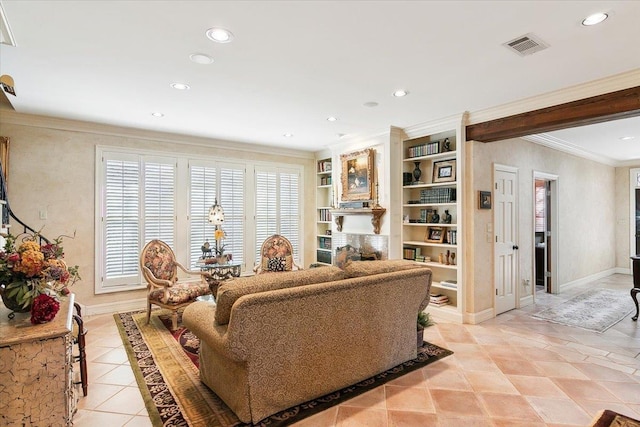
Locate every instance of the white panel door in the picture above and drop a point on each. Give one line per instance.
(506, 247)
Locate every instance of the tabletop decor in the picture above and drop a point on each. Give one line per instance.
(30, 269)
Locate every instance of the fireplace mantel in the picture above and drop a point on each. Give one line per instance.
(375, 212)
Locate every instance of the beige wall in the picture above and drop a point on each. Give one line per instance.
(54, 170)
(587, 208)
(623, 216)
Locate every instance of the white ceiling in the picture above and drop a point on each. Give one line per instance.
(295, 63)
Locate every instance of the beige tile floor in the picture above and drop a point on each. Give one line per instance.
(512, 371)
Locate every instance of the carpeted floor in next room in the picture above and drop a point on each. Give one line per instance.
(514, 370)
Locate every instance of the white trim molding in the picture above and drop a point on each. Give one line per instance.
(590, 278)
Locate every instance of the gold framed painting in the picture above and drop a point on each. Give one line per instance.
(4, 156)
(357, 175)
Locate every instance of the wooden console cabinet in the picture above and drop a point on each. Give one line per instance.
(36, 364)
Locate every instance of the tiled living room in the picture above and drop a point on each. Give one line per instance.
(514, 370)
(343, 139)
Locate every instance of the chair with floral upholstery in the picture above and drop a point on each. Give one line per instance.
(164, 289)
(276, 254)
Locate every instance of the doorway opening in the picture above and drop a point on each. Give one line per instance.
(545, 233)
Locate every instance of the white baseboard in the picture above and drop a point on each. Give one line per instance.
(525, 301)
(622, 270)
(475, 318)
(591, 278)
(114, 307)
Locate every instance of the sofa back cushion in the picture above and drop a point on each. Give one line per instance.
(233, 289)
(368, 268)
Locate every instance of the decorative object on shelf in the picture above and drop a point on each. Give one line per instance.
(446, 259)
(406, 178)
(357, 175)
(453, 258)
(435, 235)
(446, 217)
(446, 145)
(417, 173)
(32, 270)
(435, 218)
(444, 171)
(484, 199)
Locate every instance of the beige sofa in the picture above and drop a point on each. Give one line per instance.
(279, 339)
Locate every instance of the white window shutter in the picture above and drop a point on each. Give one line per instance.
(159, 202)
(202, 195)
(121, 218)
(232, 197)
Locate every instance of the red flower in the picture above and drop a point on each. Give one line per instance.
(44, 309)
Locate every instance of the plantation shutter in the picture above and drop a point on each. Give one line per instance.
(266, 203)
(159, 201)
(121, 207)
(202, 194)
(232, 195)
(278, 207)
(290, 210)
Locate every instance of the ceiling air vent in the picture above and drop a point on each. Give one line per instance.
(526, 45)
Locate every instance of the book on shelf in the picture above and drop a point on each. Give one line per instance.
(450, 284)
(325, 180)
(438, 298)
(324, 166)
(424, 149)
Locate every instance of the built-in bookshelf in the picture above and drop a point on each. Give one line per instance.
(432, 214)
(324, 195)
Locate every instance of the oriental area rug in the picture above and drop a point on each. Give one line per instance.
(165, 365)
(596, 309)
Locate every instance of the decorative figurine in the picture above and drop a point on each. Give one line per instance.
(453, 258)
(435, 218)
(446, 145)
(446, 218)
(447, 258)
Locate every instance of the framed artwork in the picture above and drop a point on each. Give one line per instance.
(357, 175)
(435, 235)
(4, 156)
(444, 171)
(484, 199)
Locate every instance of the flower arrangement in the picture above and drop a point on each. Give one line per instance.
(35, 276)
(219, 235)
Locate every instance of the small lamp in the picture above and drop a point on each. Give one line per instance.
(216, 214)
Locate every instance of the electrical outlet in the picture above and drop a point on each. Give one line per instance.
(43, 214)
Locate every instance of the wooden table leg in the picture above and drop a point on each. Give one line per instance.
(634, 295)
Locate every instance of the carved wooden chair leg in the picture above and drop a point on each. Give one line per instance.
(634, 295)
(81, 342)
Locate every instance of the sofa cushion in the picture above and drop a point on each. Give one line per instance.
(368, 268)
(233, 289)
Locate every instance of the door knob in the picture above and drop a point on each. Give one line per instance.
(515, 247)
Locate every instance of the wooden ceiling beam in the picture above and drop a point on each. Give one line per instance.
(596, 109)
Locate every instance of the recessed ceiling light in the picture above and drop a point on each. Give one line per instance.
(180, 86)
(400, 93)
(201, 58)
(331, 119)
(220, 35)
(370, 104)
(157, 114)
(288, 135)
(594, 19)
(340, 135)
(627, 138)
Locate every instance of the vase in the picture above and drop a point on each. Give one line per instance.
(12, 304)
(417, 173)
(222, 259)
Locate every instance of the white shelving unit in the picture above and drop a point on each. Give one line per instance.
(437, 187)
(324, 194)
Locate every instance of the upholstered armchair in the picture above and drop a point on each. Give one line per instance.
(276, 254)
(160, 270)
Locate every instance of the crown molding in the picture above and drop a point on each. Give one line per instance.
(435, 126)
(573, 93)
(11, 117)
(569, 148)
